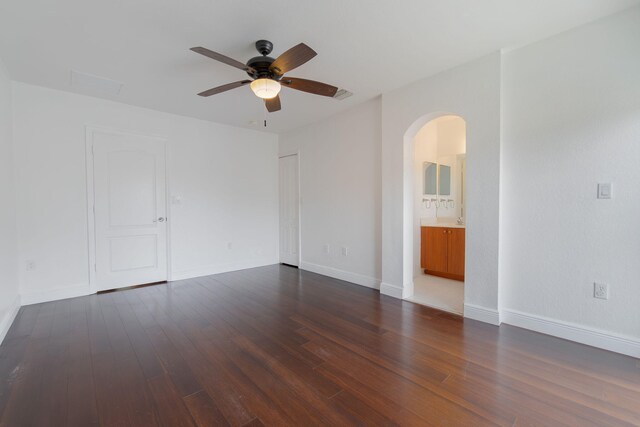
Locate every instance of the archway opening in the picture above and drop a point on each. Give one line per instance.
(435, 211)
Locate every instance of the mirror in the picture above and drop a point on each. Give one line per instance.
(444, 182)
(443, 186)
(430, 178)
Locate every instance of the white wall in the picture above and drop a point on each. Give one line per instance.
(340, 193)
(572, 119)
(226, 177)
(9, 300)
(425, 149)
(471, 91)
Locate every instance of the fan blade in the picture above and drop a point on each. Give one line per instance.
(224, 88)
(293, 58)
(273, 104)
(309, 86)
(222, 58)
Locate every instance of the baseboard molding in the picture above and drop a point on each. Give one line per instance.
(573, 332)
(482, 314)
(55, 294)
(83, 290)
(208, 270)
(395, 291)
(347, 276)
(9, 317)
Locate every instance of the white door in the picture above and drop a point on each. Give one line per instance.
(130, 210)
(289, 211)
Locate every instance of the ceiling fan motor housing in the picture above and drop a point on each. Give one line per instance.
(261, 66)
(262, 63)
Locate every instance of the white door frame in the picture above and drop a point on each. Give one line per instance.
(280, 156)
(91, 214)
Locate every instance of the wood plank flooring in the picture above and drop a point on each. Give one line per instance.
(278, 346)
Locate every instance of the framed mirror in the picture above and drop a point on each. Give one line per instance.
(429, 178)
(444, 182)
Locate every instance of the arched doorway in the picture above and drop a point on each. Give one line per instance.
(434, 210)
(411, 220)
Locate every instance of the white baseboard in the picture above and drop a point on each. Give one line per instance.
(208, 270)
(9, 317)
(395, 291)
(482, 314)
(55, 294)
(347, 276)
(573, 332)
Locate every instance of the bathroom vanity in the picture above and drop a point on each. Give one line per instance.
(442, 250)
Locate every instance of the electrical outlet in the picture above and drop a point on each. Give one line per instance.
(601, 290)
(327, 249)
(30, 265)
(604, 190)
(345, 251)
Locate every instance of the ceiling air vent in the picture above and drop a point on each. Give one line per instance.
(90, 83)
(342, 94)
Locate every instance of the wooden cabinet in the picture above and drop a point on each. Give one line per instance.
(442, 252)
(434, 248)
(455, 252)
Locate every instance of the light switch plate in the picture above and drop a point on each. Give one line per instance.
(604, 190)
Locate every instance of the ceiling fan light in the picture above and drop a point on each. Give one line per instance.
(265, 88)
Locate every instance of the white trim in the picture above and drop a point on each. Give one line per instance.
(91, 220)
(573, 332)
(38, 297)
(347, 276)
(395, 291)
(482, 314)
(207, 270)
(9, 317)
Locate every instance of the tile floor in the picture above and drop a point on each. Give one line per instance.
(440, 293)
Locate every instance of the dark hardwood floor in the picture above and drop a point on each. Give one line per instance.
(278, 346)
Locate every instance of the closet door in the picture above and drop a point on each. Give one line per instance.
(289, 211)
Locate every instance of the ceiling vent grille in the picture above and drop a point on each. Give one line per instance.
(342, 94)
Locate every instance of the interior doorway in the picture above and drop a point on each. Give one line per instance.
(127, 209)
(439, 226)
(289, 210)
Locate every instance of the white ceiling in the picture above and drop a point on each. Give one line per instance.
(366, 46)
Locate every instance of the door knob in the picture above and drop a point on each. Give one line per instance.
(161, 219)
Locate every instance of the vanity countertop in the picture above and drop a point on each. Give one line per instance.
(428, 222)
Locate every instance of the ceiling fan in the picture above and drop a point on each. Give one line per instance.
(267, 74)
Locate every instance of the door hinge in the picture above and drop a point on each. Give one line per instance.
(95, 268)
